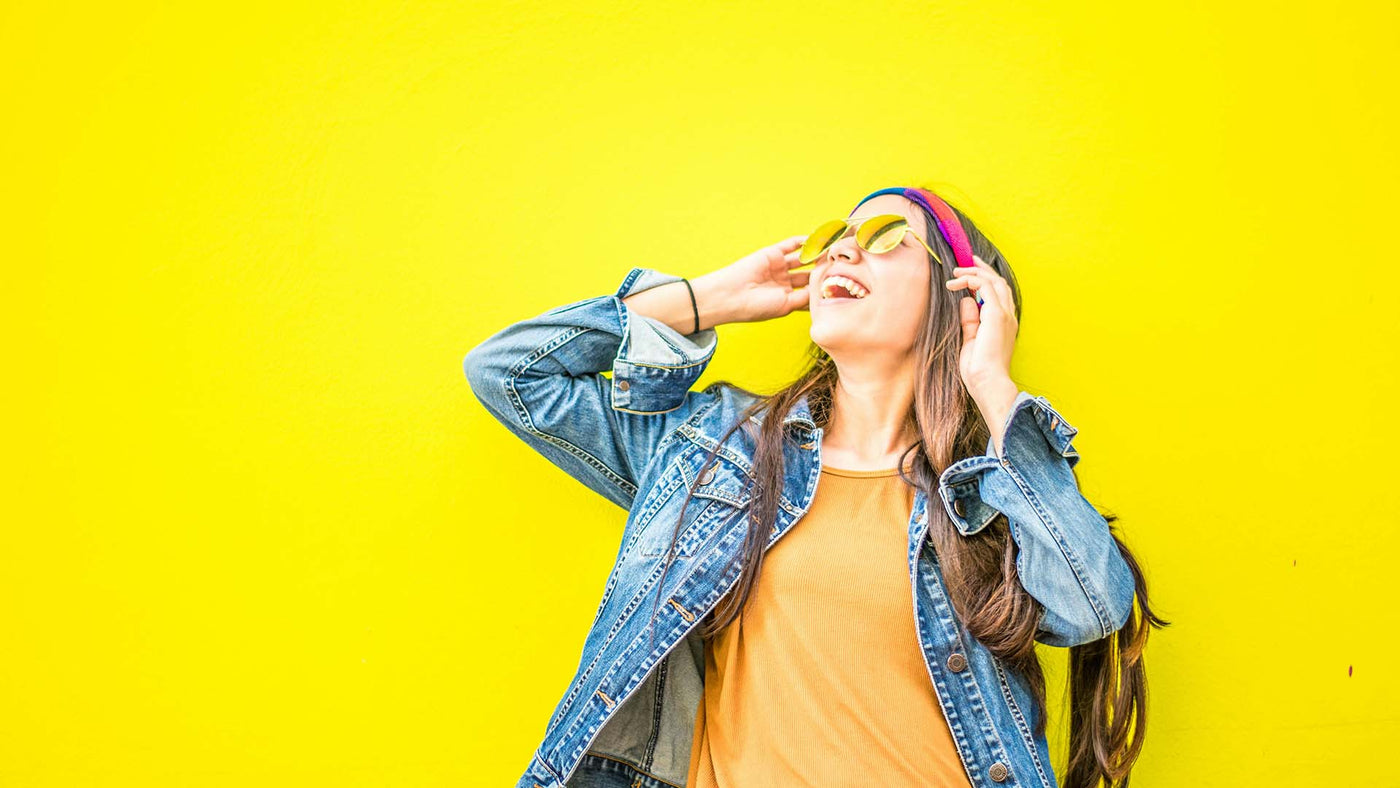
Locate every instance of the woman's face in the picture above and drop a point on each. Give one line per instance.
(897, 285)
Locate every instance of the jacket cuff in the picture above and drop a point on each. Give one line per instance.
(1033, 432)
(656, 365)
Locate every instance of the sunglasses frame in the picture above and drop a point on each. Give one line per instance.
(908, 229)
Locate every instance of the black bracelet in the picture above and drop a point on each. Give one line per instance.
(692, 305)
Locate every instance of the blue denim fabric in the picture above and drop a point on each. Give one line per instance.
(640, 439)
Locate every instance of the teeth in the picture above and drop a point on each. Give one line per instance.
(851, 286)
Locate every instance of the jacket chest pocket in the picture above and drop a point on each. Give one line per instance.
(721, 495)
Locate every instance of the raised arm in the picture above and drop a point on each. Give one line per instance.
(541, 377)
(1067, 559)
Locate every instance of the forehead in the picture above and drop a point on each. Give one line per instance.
(892, 203)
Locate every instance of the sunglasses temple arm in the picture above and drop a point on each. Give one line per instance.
(924, 244)
(940, 262)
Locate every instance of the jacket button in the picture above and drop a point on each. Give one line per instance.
(998, 771)
(622, 385)
(957, 663)
(709, 474)
(960, 507)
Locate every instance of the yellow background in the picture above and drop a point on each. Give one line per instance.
(259, 531)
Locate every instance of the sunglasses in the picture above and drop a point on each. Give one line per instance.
(877, 234)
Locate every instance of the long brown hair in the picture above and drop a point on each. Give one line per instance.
(1107, 677)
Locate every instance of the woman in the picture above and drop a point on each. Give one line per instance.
(812, 618)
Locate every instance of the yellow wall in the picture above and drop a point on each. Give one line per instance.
(258, 530)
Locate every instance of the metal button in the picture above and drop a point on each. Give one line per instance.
(809, 445)
(957, 662)
(622, 385)
(998, 772)
(959, 507)
(709, 473)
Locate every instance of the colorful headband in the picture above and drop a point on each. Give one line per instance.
(947, 221)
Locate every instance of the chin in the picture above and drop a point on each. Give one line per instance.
(829, 336)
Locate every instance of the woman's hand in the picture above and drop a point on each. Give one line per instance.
(989, 333)
(761, 285)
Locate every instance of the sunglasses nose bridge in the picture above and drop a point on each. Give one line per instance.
(852, 230)
(852, 250)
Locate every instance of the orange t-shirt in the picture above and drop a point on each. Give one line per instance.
(822, 681)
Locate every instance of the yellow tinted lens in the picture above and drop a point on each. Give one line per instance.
(819, 239)
(879, 234)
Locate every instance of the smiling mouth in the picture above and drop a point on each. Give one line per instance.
(842, 288)
(834, 300)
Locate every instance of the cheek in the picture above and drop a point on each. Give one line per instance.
(910, 297)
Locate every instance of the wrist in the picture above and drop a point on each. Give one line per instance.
(993, 389)
(994, 399)
(713, 300)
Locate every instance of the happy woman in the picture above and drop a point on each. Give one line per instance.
(843, 582)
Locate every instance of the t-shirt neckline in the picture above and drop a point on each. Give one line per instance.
(859, 474)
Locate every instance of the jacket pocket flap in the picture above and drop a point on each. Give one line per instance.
(720, 480)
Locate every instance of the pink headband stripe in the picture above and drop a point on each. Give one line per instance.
(947, 221)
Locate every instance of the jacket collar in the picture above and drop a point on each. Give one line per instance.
(800, 414)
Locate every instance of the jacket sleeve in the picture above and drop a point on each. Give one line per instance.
(541, 378)
(1066, 557)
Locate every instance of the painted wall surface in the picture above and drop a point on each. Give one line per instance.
(258, 530)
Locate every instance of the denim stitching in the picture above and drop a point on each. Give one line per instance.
(950, 713)
(527, 421)
(658, 706)
(590, 735)
(632, 767)
(695, 515)
(715, 593)
(1071, 558)
(539, 756)
(663, 366)
(1021, 722)
(625, 316)
(566, 706)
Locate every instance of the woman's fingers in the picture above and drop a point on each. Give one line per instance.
(989, 283)
(966, 278)
(970, 317)
(788, 245)
(964, 281)
(798, 299)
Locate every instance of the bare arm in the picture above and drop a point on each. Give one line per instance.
(670, 303)
(759, 286)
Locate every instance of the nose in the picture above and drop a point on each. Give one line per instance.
(845, 247)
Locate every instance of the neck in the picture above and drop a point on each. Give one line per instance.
(870, 426)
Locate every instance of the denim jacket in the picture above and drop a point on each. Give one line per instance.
(640, 438)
